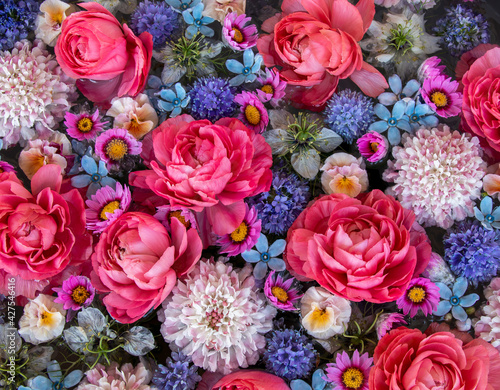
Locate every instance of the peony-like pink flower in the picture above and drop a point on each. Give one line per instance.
(468, 58)
(106, 58)
(250, 380)
(316, 45)
(237, 33)
(205, 166)
(373, 146)
(344, 174)
(360, 249)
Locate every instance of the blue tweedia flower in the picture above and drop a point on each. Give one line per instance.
(349, 114)
(80, 149)
(319, 382)
(197, 22)
(281, 206)
(94, 177)
(454, 300)
(177, 374)
(391, 121)
(246, 72)
(265, 256)
(488, 217)
(174, 101)
(398, 92)
(462, 30)
(420, 115)
(17, 19)
(182, 5)
(212, 99)
(289, 354)
(472, 251)
(159, 19)
(55, 379)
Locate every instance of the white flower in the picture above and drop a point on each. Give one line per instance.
(48, 25)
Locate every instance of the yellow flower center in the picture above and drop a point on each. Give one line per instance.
(48, 318)
(85, 125)
(416, 294)
(177, 214)
(57, 18)
(109, 208)
(238, 36)
(116, 149)
(79, 295)
(374, 146)
(353, 378)
(439, 99)
(240, 233)
(320, 317)
(267, 89)
(280, 294)
(252, 115)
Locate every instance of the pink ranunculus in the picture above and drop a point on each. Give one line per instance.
(137, 262)
(468, 58)
(44, 232)
(360, 249)
(250, 380)
(207, 167)
(408, 359)
(315, 42)
(106, 58)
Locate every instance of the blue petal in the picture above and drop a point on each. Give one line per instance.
(41, 383)
(80, 181)
(430, 121)
(394, 136)
(422, 109)
(459, 313)
(108, 181)
(262, 244)
(443, 308)
(379, 126)
(207, 31)
(188, 18)
(248, 57)
(250, 78)
(318, 381)
(257, 64)
(460, 286)
(191, 31)
(103, 171)
(381, 111)
(444, 290)
(299, 384)
(399, 109)
(175, 112)
(410, 107)
(387, 98)
(276, 264)
(165, 105)
(411, 87)
(403, 124)
(260, 270)
(93, 188)
(234, 66)
(168, 95)
(251, 256)
(173, 3)
(207, 20)
(185, 102)
(486, 205)
(89, 165)
(54, 371)
(236, 81)
(277, 248)
(198, 11)
(181, 92)
(478, 214)
(73, 378)
(395, 84)
(496, 213)
(469, 300)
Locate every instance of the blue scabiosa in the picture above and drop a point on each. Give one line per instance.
(177, 374)
(212, 98)
(17, 19)
(349, 114)
(289, 354)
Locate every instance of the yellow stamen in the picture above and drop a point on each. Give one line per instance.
(267, 89)
(85, 125)
(240, 233)
(280, 294)
(353, 378)
(374, 146)
(109, 208)
(439, 99)
(47, 318)
(320, 318)
(416, 294)
(57, 18)
(252, 115)
(177, 214)
(116, 149)
(238, 36)
(79, 295)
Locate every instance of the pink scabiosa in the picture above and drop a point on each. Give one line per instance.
(440, 93)
(253, 113)
(350, 374)
(273, 89)
(388, 321)
(114, 145)
(238, 33)
(421, 294)
(76, 292)
(373, 146)
(106, 205)
(280, 291)
(244, 237)
(84, 125)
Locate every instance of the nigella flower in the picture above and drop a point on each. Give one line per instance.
(253, 113)
(55, 379)
(398, 92)
(211, 98)
(17, 20)
(177, 374)
(246, 72)
(265, 256)
(114, 145)
(373, 146)
(75, 293)
(93, 177)
(281, 292)
(488, 217)
(391, 121)
(106, 205)
(319, 382)
(182, 5)
(421, 294)
(420, 115)
(197, 22)
(350, 374)
(83, 126)
(441, 94)
(455, 300)
(174, 101)
(238, 33)
(273, 89)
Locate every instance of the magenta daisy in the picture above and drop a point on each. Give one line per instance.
(76, 292)
(281, 292)
(373, 146)
(83, 126)
(388, 321)
(106, 205)
(238, 33)
(440, 93)
(430, 68)
(6, 167)
(421, 294)
(114, 145)
(165, 214)
(350, 374)
(244, 237)
(253, 113)
(273, 89)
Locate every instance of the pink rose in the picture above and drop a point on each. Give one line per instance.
(250, 380)
(408, 359)
(207, 167)
(137, 262)
(106, 58)
(315, 42)
(360, 249)
(43, 233)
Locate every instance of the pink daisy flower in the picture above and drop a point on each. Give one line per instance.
(185, 216)
(83, 126)
(6, 167)
(114, 145)
(237, 33)
(388, 321)
(273, 89)
(430, 68)
(106, 205)
(244, 237)
(350, 374)
(76, 292)
(373, 146)
(421, 294)
(440, 93)
(253, 113)
(280, 291)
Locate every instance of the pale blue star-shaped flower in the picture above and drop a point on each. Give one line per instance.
(246, 72)
(266, 256)
(420, 115)
(197, 22)
(398, 92)
(55, 379)
(94, 177)
(488, 217)
(181, 6)
(319, 382)
(391, 121)
(174, 101)
(454, 300)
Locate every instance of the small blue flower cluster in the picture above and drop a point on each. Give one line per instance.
(212, 98)
(17, 19)
(177, 374)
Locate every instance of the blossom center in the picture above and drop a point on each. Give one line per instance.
(392, 121)
(416, 294)
(267, 89)
(57, 18)
(134, 126)
(246, 70)
(489, 218)
(240, 233)
(47, 318)
(238, 36)
(178, 214)
(214, 317)
(116, 149)
(79, 295)
(264, 256)
(320, 317)
(280, 294)
(95, 178)
(85, 125)
(374, 146)
(353, 378)
(439, 99)
(454, 300)
(109, 208)
(252, 115)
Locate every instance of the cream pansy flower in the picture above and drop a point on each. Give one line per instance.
(48, 25)
(344, 174)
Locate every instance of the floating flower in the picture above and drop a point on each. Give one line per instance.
(238, 33)
(246, 72)
(440, 93)
(83, 126)
(55, 379)
(94, 177)
(174, 102)
(197, 23)
(272, 89)
(253, 113)
(126, 377)
(391, 121)
(350, 373)
(397, 91)
(17, 19)
(115, 145)
(387, 321)
(211, 98)
(455, 300)
(265, 256)
(75, 293)
(373, 146)
(281, 292)
(488, 217)
(344, 174)
(178, 374)
(48, 25)
(421, 294)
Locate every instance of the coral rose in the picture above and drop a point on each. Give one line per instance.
(205, 166)
(360, 249)
(137, 262)
(250, 380)
(315, 42)
(106, 58)
(408, 359)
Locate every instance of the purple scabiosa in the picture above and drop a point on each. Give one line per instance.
(244, 237)
(253, 113)
(441, 94)
(421, 294)
(388, 321)
(165, 214)
(106, 205)
(281, 292)
(289, 354)
(17, 19)
(177, 374)
(350, 374)
(211, 98)
(373, 146)
(273, 89)
(75, 293)
(238, 33)
(114, 145)
(84, 125)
